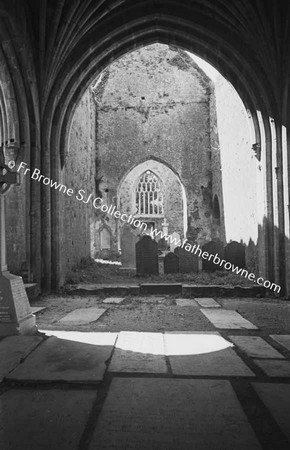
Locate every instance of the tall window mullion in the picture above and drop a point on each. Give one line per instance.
(149, 198)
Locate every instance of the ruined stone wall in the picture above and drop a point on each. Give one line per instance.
(154, 103)
(239, 165)
(79, 173)
(218, 225)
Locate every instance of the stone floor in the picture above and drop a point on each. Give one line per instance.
(222, 385)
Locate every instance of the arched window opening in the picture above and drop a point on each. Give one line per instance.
(149, 196)
(105, 239)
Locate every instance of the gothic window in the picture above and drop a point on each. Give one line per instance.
(149, 196)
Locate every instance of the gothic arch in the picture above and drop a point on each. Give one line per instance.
(162, 170)
(77, 40)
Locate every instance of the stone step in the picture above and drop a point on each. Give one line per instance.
(189, 290)
(183, 290)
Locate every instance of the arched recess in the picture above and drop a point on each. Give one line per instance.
(174, 205)
(101, 43)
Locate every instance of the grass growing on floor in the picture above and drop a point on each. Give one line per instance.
(89, 271)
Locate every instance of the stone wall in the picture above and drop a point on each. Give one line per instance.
(79, 173)
(17, 232)
(239, 165)
(155, 104)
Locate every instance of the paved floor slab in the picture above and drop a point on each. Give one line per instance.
(256, 347)
(185, 302)
(227, 319)
(277, 399)
(283, 339)
(171, 414)
(274, 368)
(37, 309)
(64, 360)
(139, 352)
(37, 419)
(96, 338)
(114, 300)
(83, 315)
(207, 303)
(14, 349)
(207, 354)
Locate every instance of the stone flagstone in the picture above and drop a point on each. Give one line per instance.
(282, 339)
(256, 347)
(64, 360)
(185, 302)
(115, 300)
(139, 352)
(171, 414)
(277, 399)
(203, 354)
(83, 315)
(224, 318)
(38, 419)
(14, 349)
(207, 303)
(274, 368)
(96, 338)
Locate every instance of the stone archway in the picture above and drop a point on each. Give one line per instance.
(257, 97)
(174, 199)
(78, 40)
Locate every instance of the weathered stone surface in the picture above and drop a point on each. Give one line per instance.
(37, 419)
(162, 289)
(283, 339)
(185, 302)
(14, 349)
(162, 245)
(80, 173)
(107, 289)
(139, 352)
(102, 339)
(15, 312)
(83, 315)
(207, 302)
(37, 309)
(188, 262)
(146, 256)
(175, 238)
(155, 113)
(64, 360)
(274, 368)
(170, 414)
(224, 318)
(207, 354)
(114, 300)
(235, 253)
(129, 240)
(171, 263)
(276, 397)
(256, 347)
(212, 248)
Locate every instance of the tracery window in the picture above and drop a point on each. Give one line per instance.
(149, 196)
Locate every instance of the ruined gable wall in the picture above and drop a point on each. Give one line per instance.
(155, 103)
